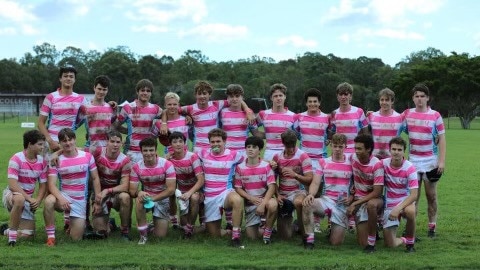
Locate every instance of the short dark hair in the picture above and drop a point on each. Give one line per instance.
(114, 133)
(421, 87)
(147, 142)
(217, 132)
(176, 135)
(278, 86)
(234, 89)
(202, 86)
(32, 137)
(366, 140)
(289, 138)
(399, 141)
(344, 88)
(313, 92)
(66, 133)
(144, 83)
(103, 80)
(67, 69)
(255, 141)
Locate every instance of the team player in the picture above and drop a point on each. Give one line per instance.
(138, 116)
(157, 177)
(385, 123)
(348, 119)
(114, 171)
(255, 182)
(335, 174)
(190, 180)
(73, 168)
(428, 146)
(295, 173)
(368, 175)
(60, 108)
(25, 169)
(401, 184)
(219, 165)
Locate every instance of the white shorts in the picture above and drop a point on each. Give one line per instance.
(78, 208)
(362, 214)
(161, 209)
(7, 200)
(214, 206)
(134, 156)
(292, 195)
(390, 223)
(109, 203)
(338, 213)
(251, 217)
(269, 153)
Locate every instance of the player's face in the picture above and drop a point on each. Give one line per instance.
(178, 145)
(202, 98)
(37, 148)
(278, 98)
(386, 104)
(337, 149)
(313, 105)
(252, 151)
(420, 99)
(171, 105)
(100, 91)
(397, 150)
(235, 101)
(361, 152)
(144, 94)
(217, 144)
(114, 144)
(149, 154)
(67, 80)
(344, 98)
(290, 151)
(68, 144)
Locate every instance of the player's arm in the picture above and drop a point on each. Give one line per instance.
(257, 132)
(313, 189)
(96, 185)
(15, 187)
(169, 191)
(42, 127)
(52, 188)
(198, 185)
(412, 197)
(442, 151)
(305, 179)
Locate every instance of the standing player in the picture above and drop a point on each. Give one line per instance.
(295, 171)
(335, 174)
(401, 185)
(157, 176)
(219, 164)
(368, 177)
(73, 168)
(255, 182)
(25, 169)
(428, 146)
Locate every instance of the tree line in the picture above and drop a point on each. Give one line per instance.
(454, 80)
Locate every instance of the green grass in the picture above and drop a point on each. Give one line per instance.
(457, 244)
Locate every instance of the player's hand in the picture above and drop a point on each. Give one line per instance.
(168, 156)
(97, 208)
(308, 201)
(260, 210)
(186, 196)
(273, 164)
(251, 117)
(255, 200)
(441, 167)
(53, 145)
(64, 204)
(351, 210)
(288, 172)
(188, 120)
(163, 128)
(368, 113)
(394, 214)
(113, 104)
(142, 195)
(34, 204)
(280, 199)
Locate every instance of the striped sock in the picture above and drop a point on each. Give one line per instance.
(189, 228)
(173, 220)
(371, 240)
(410, 240)
(432, 226)
(235, 232)
(310, 238)
(50, 231)
(228, 216)
(124, 229)
(12, 235)
(143, 230)
(267, 233)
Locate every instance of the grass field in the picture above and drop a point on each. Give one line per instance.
(456, 246)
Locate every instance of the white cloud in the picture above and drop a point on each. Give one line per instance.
(390, 33)
(345, 9)
(150, 28)
(18, 17)
(216, 32)
(297, 42)
(166, 11)
(28, 29)
(7, 31)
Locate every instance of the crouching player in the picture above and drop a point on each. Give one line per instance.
(255, 182)
(190, 180)
(335, 173)
(401, 184)
(157, 177)
(24, 170)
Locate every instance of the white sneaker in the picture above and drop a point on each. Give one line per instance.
(316, 228)
(143, 240)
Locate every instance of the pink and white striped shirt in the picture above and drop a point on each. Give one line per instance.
(111, 170)
(73, 173)
(384, 128)
(366, 176)
(349, 123)
(313, 133)
(153, 178)
(234, 123)
(187, 170)
(27, 173)
(299, 163)
(178, 124)
(275, 124)
(61, 111)
(98, 120)
(398, 182)
(139, 123)
(204, 120)
(219, 170)
(254, 179)
(422, 129)
(337, 176)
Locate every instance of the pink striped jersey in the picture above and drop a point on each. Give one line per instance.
(313, 133)
(61, 111)
(111, 170)
(300, 163)
(275, 124)
(365, 176)
(219, 170)
(254, 179)
(398, 182)
(422, 129)
(73, 173)
(98, 120)
(204, 120)
(349, 123)
(27, 173)
(234, 123)
(384, 128)
(153, 178)
(336, 176)
(178, 124)
(139, 123)
(187, 170)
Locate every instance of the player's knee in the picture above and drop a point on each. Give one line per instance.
(124, 199)
(195, 198)
(18, 200)
(49, 201)
(272, 206)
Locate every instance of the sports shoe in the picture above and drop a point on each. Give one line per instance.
(267, 241)
(112, 224)
(309, 246)
(51, 242)
(12, 243)
(431, 233)
(143, 240)
(410, 249)
(317, 228)
(126, 237)
(3, 228)
(236, 243)
(187, 235)
(369, 249)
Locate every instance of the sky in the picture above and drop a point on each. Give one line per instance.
(230, 30)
